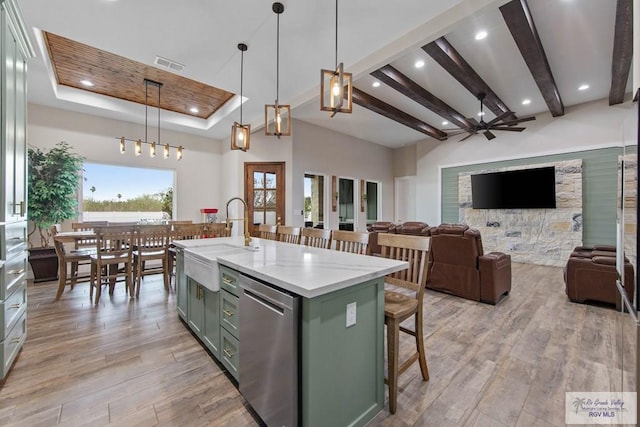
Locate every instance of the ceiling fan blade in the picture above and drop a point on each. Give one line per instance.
(473, 122)
(489, 135)
(516, 121)
(499, 118)
(457, 132)
(467, 137)
(509, 128)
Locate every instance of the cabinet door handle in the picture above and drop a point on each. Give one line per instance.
(16, 340)
(228, 353)
(15, 306)
(198, 292)
(228, 313)
(227, 280)
(16, 272)
(21, 205)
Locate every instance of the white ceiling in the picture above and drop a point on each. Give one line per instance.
(577, 36)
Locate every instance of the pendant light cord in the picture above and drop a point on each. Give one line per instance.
(159, 87)
(241, 79)
(146, 108)
(336, 34)
(277, 58)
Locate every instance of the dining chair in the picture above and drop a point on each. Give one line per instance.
(403, 295)
(89, 242)
(350, 241)
(69, 263)
(152, 244)
(218, 229)
(267, 231)
(180, 221)
(114, 247)
(316, 237)
(288, 234)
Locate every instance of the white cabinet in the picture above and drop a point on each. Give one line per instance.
(15, 48)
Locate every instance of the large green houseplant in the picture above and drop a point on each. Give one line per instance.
(54, 178)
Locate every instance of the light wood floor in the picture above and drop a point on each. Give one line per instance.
(132, 362)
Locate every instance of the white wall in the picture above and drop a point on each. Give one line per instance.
(588, 126)
(198, 183)
(323, 151)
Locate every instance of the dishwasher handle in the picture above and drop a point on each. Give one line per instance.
(267, 294)
(264, 302)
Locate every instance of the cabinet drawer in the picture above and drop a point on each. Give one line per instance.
(12, 274)
(12, 344)
(13, 239)
(229, 318)
(229, 352)
(229, 280)
(13, 308)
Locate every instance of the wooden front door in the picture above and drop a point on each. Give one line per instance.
(264, 190)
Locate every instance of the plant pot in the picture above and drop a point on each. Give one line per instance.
(44, 264)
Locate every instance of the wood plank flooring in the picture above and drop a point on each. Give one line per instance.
(131, 362)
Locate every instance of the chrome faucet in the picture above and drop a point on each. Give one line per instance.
(247, 237)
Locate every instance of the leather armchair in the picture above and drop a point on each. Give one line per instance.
(459, 266)
(590, 275)
(374, 229)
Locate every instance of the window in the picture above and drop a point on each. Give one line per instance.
(313, 200)
(371, 197)
(123, 194)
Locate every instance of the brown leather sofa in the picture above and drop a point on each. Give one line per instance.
(416, 228)
(459, 266)
(590, 275)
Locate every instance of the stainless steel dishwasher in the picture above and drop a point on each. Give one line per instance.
(268, 359)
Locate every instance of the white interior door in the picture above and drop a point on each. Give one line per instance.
(405, 199)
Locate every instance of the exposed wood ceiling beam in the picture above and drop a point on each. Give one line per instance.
(403, 84)
(622, 51)
(449, 58)
(374, 104)
(518, 18)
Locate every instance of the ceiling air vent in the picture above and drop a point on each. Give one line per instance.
(168, 63)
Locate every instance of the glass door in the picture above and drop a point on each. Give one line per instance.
(314, 200)
(265, 192)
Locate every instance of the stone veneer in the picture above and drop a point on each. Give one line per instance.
(534, 236)
(630, 203)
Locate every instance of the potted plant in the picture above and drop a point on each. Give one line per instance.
(54, 177)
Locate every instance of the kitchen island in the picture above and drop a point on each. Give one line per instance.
(339, 324)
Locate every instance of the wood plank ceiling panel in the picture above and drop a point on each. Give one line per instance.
(119, 77)
(518, 18)
(374, 104)
(622, 51)
(403, 84)
(449, 58)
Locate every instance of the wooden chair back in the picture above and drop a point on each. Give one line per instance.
(180, 221)
(350, 241)
(114, 246)
(415, 251)
(316, 237)
(218, 229)
(87, 226)
(267, 231)
(288, 234)
(187, 231)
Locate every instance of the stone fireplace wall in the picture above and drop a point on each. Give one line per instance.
(534, 236)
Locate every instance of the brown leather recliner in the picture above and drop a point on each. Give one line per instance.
(374, 229)
(416, 228)
(590, 275)
(459, 266)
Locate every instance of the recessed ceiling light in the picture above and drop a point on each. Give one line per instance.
(445, 123)
(419, 63)
(86, 83)
(526, 101)
(480, 35)
(375, 84)
(194, 110)
(583, 87)
(481, 113)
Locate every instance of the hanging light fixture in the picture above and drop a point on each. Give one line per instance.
(137, 143)
(336, 85)
(240, 133)
(277, 118)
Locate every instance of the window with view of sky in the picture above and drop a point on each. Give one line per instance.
(122, 193)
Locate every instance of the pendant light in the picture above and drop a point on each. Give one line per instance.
(137, 143)
(336, 86)
(240, 133)
(277, 118)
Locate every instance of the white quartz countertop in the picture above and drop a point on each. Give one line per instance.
(308, 272)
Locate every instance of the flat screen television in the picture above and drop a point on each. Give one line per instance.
(515, 189)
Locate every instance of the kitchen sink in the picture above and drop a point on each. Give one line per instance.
(201, 265)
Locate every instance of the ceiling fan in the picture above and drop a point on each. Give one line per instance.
(498, 123)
